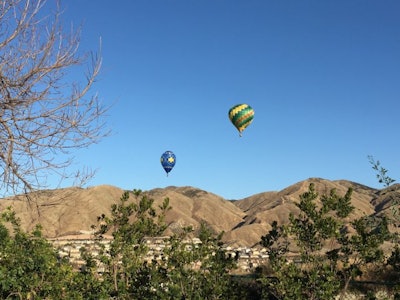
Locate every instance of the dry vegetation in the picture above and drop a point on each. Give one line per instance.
(72, 210)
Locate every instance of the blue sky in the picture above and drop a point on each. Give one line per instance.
(322, 76)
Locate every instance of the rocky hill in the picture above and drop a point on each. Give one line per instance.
(74, 210)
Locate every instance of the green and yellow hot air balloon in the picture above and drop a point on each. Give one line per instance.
(241, 116)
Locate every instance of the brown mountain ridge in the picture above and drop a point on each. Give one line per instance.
(73, 210)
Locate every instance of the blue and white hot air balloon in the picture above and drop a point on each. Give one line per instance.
(168, 160)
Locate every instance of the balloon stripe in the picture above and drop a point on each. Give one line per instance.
(247, 115)
(245, 123)
(242, 116)
(237, 109)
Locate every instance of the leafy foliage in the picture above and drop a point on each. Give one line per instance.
(382, 172)
(329, 256)
(187, 270)
(125, 273)
(193, 264)
(30, 268)
(197, 270)
(394, 259)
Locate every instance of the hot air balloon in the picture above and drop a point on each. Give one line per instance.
(168, 160)
(241, 116)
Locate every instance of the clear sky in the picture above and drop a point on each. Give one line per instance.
(323, 78)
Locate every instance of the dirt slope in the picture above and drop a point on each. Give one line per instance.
(74, 210)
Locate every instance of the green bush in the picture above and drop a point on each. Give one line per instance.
(30, 267)
(329, 257)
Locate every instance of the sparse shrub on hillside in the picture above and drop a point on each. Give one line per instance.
(386, 180)
(329, 257)
(381, 174)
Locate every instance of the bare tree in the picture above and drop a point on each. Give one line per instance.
(44, 114)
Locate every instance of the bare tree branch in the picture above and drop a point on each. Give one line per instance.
(43, 114)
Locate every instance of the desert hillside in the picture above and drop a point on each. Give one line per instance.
(74, 210)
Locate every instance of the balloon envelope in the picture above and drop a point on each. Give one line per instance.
(168, 160)
(241, 116)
